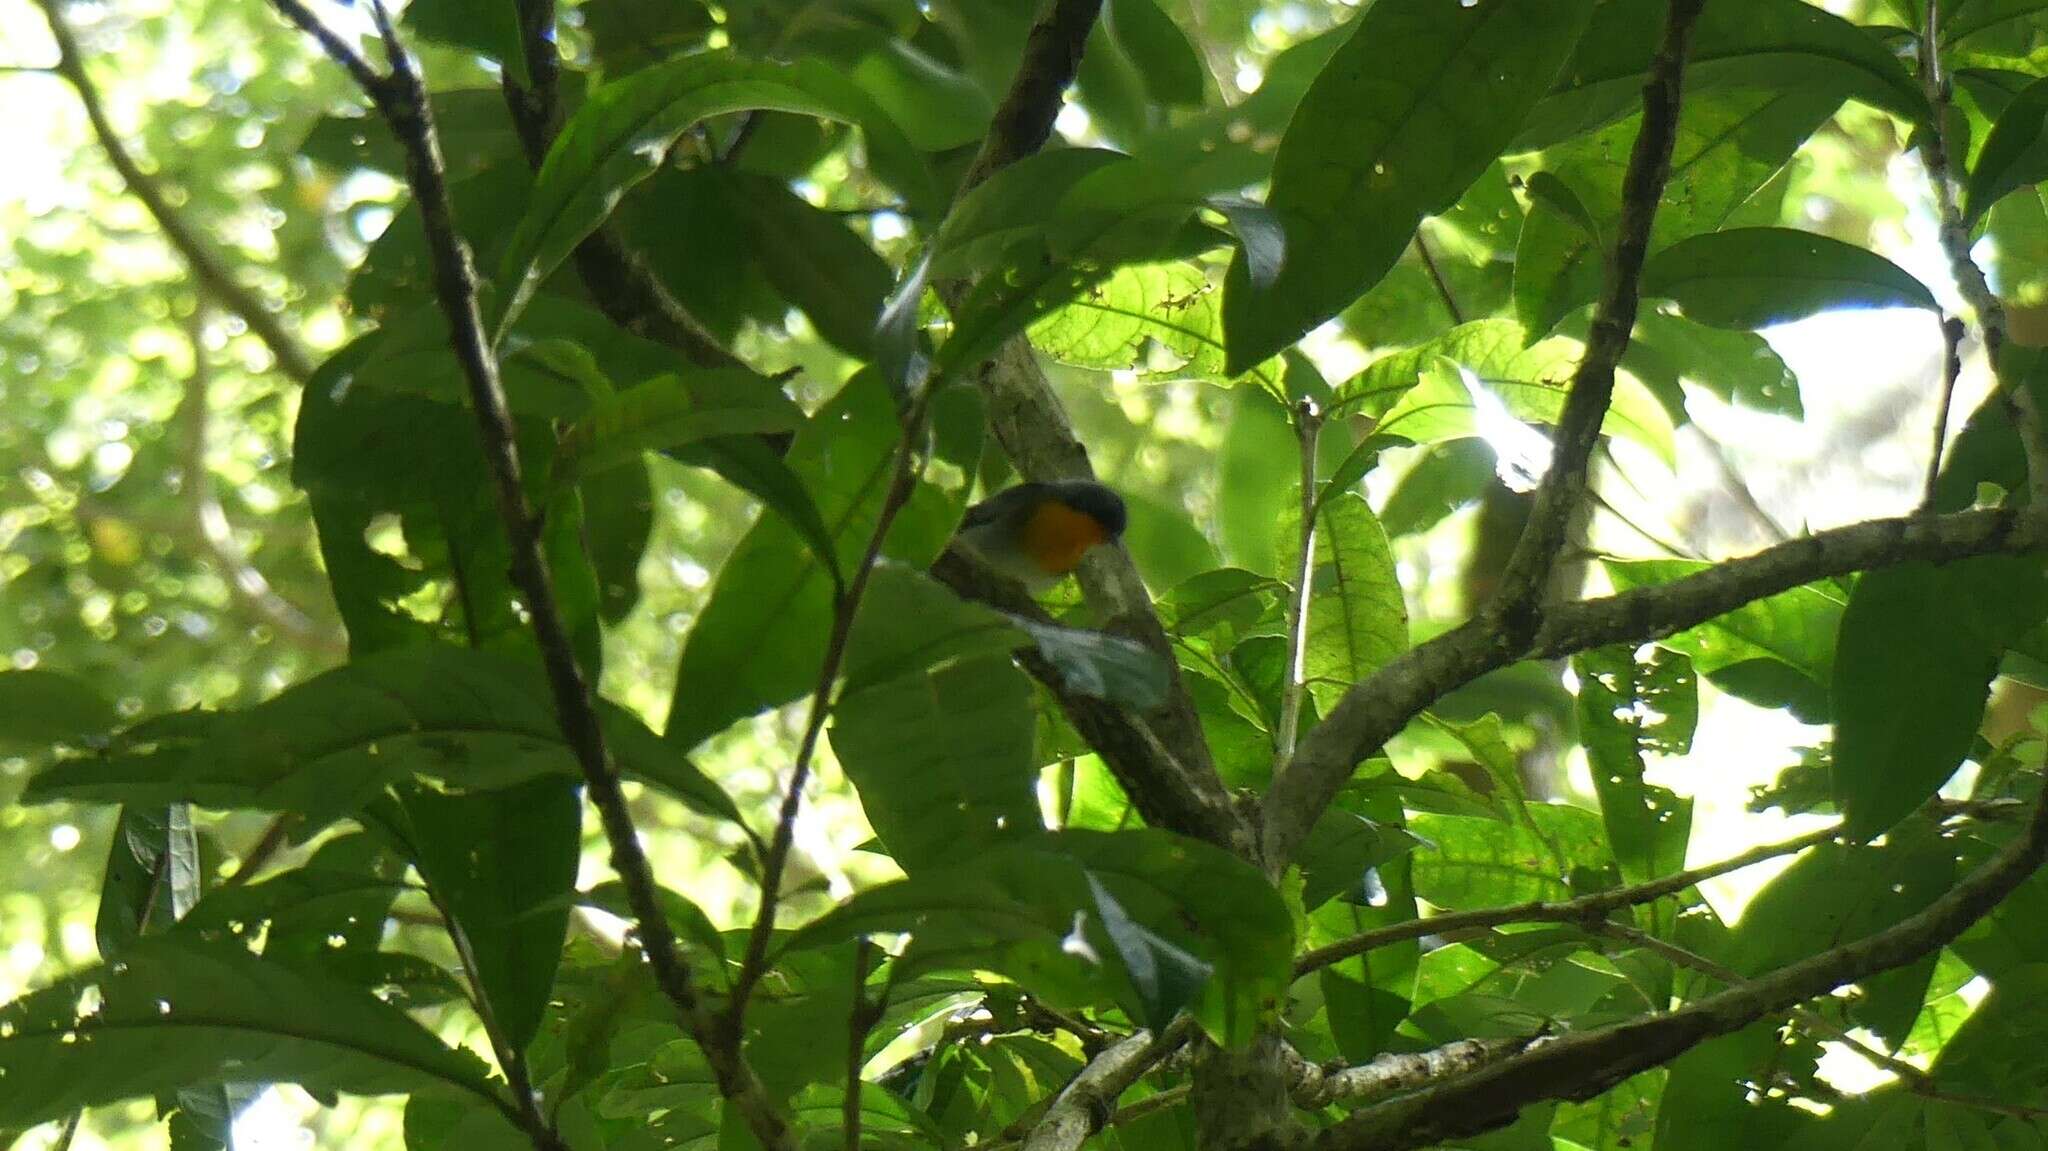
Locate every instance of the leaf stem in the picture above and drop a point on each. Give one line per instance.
(1308, 424)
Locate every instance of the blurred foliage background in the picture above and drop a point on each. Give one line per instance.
(151, 541)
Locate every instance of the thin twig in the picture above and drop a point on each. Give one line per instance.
(1951, 367)
(1938, 152)
(1315, 1086)
(902, 483)
(862, 1019)
(1515, 607)
(401, 99)
(1308, 424)
(1436, 276)
(208, 267)
(1585, 909)
(1089, 1101)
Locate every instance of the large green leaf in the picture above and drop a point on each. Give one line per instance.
(1755, 277)
(1728, 146)
(622, 133)
(1629, 707)
(1110, 325)
(814, 260)
(486, 27)
(1794, 629)
(668, 412)
(1357, 617)
(1421, 405)
(1774, 45)
(1918, 649)
(501, 865)
(943, 759)
(759, 641)
(177, 1012)
(1412, 108)
(1044, 230)
(2015, 154)
(1837, 893)
(39, 707)
(1029, 912)
(1739, 368)
(331, 744)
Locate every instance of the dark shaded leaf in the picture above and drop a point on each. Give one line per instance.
(1755, 277)
(1373, 149)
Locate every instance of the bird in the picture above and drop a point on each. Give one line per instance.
(1036, 533)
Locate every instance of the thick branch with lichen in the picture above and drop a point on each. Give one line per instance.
(1584, 1065)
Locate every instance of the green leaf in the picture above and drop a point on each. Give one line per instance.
(489, 28)
(39, 707)
(1357, 617)
(1770, 45)
(816, 262)
(1739, 368)
(1837, 893)
(501, 865)
(1044, 230)
(1629, 707)
(1437, 404)
(668, 412)
(1793, 629)
(152, 878)
(1372, 149)
(938, 107)
(1728, 146)
(1172, 68)
(1102, 666)
(331, 744)
(1342, 847)
(760, 638)
(1165, 978)
(175, 1012)
(1111, 325)
(883, 647)
(943, 760)
(1755, 277)
(1028, 911)
(621, 134)
(1918, 649)
(2015, 154)
(752, 466)
(1487, 863)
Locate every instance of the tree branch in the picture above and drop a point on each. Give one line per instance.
(1373, 711)
(1585, 909)
(1589, 1063)
(1514, 608)
(1087, 1104)
(1315, 1086)
(400, 97)
(1938, 152)
(1032, 426)
(208, 267)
